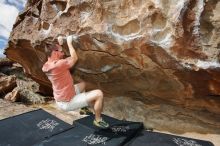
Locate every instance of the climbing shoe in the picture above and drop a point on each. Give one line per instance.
(101, 124)
(85, 111)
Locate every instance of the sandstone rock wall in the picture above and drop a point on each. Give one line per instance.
(163, 51)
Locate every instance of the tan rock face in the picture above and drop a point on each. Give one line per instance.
(7, 84)
(160, 50)
(12, 96)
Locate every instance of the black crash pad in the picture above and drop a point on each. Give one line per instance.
(39, 128)
(84, 133)
(147, 138)
(29, 128)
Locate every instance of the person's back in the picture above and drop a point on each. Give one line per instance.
(62, 82)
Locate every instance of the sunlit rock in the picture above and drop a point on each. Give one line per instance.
(160, 50)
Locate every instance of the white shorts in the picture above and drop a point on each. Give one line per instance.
(78, 101)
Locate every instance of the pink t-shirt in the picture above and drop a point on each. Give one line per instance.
(62, 82)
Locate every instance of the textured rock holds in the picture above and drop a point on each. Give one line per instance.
(164, 51)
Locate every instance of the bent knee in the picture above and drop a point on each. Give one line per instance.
(99, 93)
(94, 95)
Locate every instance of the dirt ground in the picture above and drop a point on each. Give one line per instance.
(8, 109)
